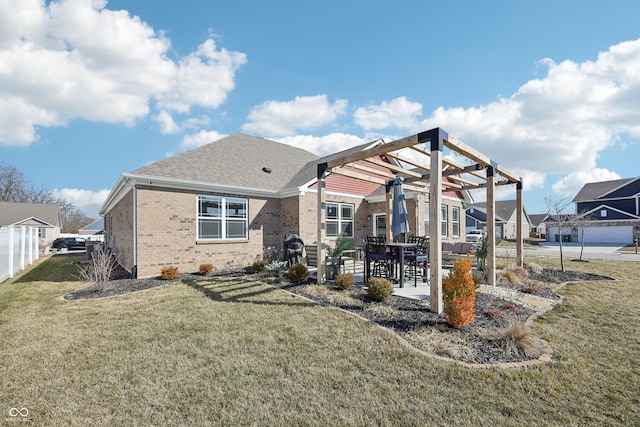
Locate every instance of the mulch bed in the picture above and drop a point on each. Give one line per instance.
(411, 319)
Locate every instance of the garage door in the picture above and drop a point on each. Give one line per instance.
(623, 234)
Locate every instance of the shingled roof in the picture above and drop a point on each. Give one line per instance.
(595, 190)
(237, 160)
(504, 209)
(15, 213)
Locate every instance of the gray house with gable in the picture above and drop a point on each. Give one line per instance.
(612, 209)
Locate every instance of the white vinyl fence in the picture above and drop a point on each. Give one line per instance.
(18, 249)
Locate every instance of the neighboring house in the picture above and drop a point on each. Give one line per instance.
(231, 202)
(44, 216)
(93, 231)
(506, 218)
(612, 211)
(538, 227)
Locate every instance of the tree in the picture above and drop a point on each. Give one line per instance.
(557, 209)
(14, 187)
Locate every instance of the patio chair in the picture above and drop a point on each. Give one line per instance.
(312, 259)
(417, 258)
(376, 253)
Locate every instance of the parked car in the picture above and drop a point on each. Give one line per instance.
(475, 235)
(70, 243)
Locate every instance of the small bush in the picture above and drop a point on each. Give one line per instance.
(379, 289)
(345, 281)
(533, 267)
(298, 273)
(169, 273)
(459, 294)
(520, 340)
(277, 267)
(259, 265)
(512, 277)
(205, 269)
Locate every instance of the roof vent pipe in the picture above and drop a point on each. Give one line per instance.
(266, 169)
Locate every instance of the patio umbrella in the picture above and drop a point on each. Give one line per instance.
(399, 216)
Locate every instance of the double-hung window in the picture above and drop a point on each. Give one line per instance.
(455, 220)
(339, 219)
(222, 218)
(444, 224)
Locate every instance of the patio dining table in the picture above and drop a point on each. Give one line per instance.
(398, 249)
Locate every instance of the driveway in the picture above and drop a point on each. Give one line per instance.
(572, 250)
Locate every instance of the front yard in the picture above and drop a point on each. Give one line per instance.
(238, 352)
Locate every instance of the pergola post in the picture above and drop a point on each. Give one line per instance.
(491, 227)
(322, 213)
(520, 222)
(437, 137)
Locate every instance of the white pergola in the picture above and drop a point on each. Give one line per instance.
(426, 175)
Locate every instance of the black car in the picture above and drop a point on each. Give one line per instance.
(69, 243)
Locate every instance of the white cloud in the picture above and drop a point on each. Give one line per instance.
(283, 118)
(87, 201)
(168, 125)
(166, 122)
(74, 59)
(559, 123)
(201, 138)
(572, 183)
(398, 113)
(323, 145)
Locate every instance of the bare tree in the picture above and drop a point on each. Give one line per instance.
(14, 187)
(558, 211)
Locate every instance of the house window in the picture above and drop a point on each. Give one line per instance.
(603, 213)
(42, 233)
(426, 219)
(222, 218)
(455, 220)
(444, 226)
(339, 219)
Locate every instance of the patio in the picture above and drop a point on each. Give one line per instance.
(424, 167)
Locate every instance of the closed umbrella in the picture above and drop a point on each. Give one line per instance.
(399, 216)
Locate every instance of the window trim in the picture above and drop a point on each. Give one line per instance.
(339, 221)
(444, 222)
(455, 222)
(224, 219)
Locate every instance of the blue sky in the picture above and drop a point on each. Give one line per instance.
(92, 89)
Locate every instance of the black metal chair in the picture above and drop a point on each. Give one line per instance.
(418, 257)
(376, 253)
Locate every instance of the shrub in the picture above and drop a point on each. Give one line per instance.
(512, 277)
(259, 265)
(298, 273)
(520, 340)
(277, 267)
(101, 266)
(379, 289)
(459, 295)
(169, 273)
(205, 269)
(345, 281)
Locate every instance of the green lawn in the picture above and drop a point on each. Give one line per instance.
(237, 352)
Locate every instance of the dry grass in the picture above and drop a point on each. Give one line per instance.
(236, 352)
(519, 339)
